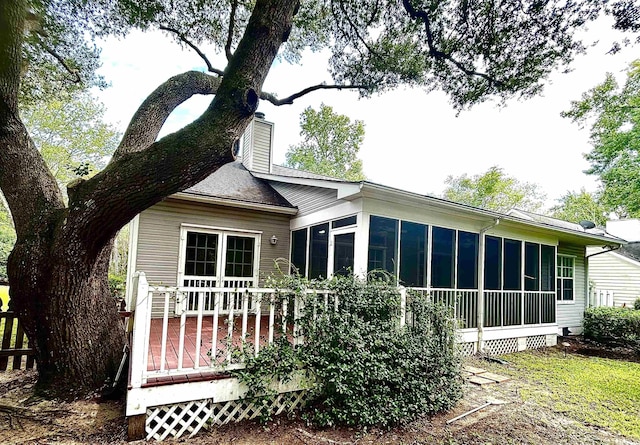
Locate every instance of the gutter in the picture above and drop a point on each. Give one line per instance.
(481, 247)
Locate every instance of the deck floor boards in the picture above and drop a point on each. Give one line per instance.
(190, 349)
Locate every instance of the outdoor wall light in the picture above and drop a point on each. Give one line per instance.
(274, 240)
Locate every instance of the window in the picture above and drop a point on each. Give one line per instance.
(442, 257)
(493, 263)
(565, 278)
(383, 241)
(413, 254)
(319, 251)
(239, 257)
(344, 222)
(512, 274)
(299, 252)
(201, 254)
(531, 266)
(467, 260)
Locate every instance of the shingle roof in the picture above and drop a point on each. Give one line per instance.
(631, 250)
(234, 181)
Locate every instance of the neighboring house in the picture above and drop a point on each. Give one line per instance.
(514, 282)
(615, 274)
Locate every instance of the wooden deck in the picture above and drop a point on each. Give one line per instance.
(205, 351)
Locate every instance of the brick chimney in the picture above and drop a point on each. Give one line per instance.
(257, 142)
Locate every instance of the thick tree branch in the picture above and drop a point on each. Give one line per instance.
(289, 100)
(232, 20)
(74, 73)
(184, 39)
(151, 115)
(136, 180)
(442, 55)
(31, 191)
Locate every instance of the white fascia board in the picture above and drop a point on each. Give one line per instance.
(371, 190)
(346, 190)
(234, 203)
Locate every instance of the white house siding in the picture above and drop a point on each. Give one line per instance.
(569, 314)
(159, 236)
(308, 199)
(614, 272)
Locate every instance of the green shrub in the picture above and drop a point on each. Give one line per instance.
(366, 369)
(613, 325)
(636, 304)
(117, 286)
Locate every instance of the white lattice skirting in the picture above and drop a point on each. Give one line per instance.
(190, 417)
(502, 346)
(467, 349)
(536, 342)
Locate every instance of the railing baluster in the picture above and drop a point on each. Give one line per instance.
(272, 316)
(258, 315)
(230, 330)
(214, 334)
(284, 316)
(196, 360)
(245, 314)
(165, 331)
(183, 325)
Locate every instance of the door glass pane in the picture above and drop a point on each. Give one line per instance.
(383, 242)
(531, 266)
(319, 251)
(467, 260)
(493, 263)
(343, 254)
(299, 252)
(512, 277)
(201, 254)
(239, 256)
(413, 258)
(442, 257)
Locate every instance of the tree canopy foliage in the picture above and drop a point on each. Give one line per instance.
(473, 51)
(580, 206)
(330, 145)
(613, 111)
(70, 132)
(494, 190)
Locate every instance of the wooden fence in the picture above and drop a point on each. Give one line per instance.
(15, 352)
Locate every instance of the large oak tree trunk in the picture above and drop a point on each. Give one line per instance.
(62, 296)
(58, 268)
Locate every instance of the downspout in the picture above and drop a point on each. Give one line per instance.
(481, 249)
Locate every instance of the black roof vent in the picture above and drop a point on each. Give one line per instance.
(586, 225)
(259, 114)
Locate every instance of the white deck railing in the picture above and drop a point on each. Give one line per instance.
(215, 335)
(223, 325)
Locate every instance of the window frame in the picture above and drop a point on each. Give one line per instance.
(222, 233)
(560, 289)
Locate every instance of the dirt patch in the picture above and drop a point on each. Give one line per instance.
(25, 420)
(582, 346)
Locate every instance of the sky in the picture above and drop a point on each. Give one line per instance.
(413, 140)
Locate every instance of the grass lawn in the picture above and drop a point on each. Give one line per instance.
(597, 391)
(4, 297)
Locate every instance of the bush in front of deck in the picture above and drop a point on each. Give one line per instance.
(613, 325)
(366, 369)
